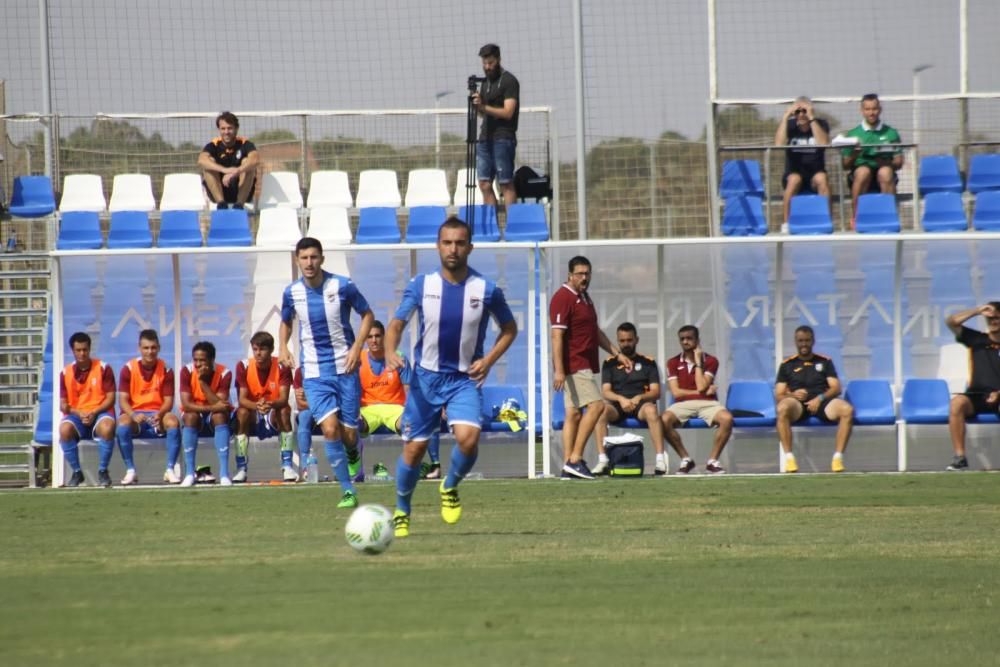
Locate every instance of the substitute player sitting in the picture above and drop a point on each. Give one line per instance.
(146, 400)
(262, 386)
(87, 399)
(206, 409)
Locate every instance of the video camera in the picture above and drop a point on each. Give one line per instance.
(474, 82)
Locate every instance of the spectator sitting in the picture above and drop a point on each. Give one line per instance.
(872, 168)
(229, 164)
(805, 168)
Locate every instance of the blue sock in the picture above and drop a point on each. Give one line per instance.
(434, 447)
(173, 446)
(71, 453)
(222, 449)
(337, 455)
(105, 448)
(304, 435)
(125, 446)
(189, 436)
(460, 466)
(406, 482)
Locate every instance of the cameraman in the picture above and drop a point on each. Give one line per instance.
(805, 168)
(497, 102)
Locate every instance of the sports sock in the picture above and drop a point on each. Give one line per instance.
(125, 446)
(789, 455)
(105, 448)
(434, 448)
(173, 446)
(286, 449)
(603, 458)
(304, 435)
(337, 456)
(242, 444)
(460, 466)
(189, 436)
(406, 482)
(71, 453)
(838, 455)
(222, 448)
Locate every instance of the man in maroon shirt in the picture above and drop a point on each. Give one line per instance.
(575, 339)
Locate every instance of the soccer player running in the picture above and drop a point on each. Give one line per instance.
(330, 355)
(449, 365)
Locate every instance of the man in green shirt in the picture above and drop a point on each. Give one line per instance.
(872, 168)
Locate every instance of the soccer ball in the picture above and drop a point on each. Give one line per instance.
(369, 529)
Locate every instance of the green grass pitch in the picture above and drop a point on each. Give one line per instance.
(808, 570)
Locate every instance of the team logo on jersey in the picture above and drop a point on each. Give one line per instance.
(239, 155)
(475, 302)
(331, 297)
(637, 367)
(819, 367)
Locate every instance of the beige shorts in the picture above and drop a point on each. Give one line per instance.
(580, 390)
(706, 410)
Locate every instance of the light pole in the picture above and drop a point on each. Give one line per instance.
(916, 105)
(437, 126)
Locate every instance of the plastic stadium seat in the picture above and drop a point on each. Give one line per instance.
(986, 217)
(809, 214)
(939, 173)
(925, 401)
(330, 224)
(752, 396)
(872, 401)
(179, 229)
(944, 212)
(32, 197)
(741, 177)
(182, 192)
(129, 229)
(278, 228)
(743, 216)
(378, 188)
(79, 230)
(83, 192)
(329, 188)
(953, 366)
(132, 192)
(493, 398)
(984, 173)
(280, 189)
(526, 222)
(877, 214)
(461, 189)
(427, 187)
(484, 224)
(424, 222)
(378, 224)
(230, 227)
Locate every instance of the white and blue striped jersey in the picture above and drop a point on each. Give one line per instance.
(325, 333)
(453, 319)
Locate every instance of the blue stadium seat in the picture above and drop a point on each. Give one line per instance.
(230, 228)
(485, 227)
(79, 230)
(32, 197)
(877, 214)
(872, 401)
(741, 177)
(179, 229)
(925, 401)
(753, 396)
(944, 212)
(526, 222)
(423, 223)
(129, 229)
(809, 214)
(494, 397)
(984, 173)
(743, 216)
(378, 224)
(986, 217)
(939, 173)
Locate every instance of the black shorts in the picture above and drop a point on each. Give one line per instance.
(231, 191)
(807, 178)
(979, 404)
(820, 414)
(625, 415)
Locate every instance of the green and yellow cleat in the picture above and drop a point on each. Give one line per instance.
(349, 500)
(451, 506)
(400, 524)
(353, 462)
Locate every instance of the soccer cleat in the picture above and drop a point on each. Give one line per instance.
(103, 479)
(686, 466)
(75, 480)
(661, 468)
(380, 473)
(400, 524)
(225, 481)
(349, 500)
(353, 462)
(171, 477)
(188, 480)
(288, 474)
(204, 475)
(713, 468)
(578, 470)
(451, 506)
(958, 463)
(430, 471)
(791, 465)
(240, 476)
(837, 464)
(602, 468)
(130, 477)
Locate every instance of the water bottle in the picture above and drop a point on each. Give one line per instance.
(12, 241)
(313, 464)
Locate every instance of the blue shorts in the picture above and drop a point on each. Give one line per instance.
(265, 426)
(495, 158)
(429, 392)
(330, 395)
(146, 428)
(207, 428)
(83, 431)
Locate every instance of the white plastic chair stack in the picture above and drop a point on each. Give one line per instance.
(953, 365)
(378, 188)
(280, 189)
(132, 192)
(83, 192)
(329, 188)
(460, 189)
(427, 187)
(278, 228)
(183, 192)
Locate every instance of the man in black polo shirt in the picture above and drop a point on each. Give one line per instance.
(983, 393)
(807, 386)
(805, 168)
(498, 102)
(629, 393)
(229, 164)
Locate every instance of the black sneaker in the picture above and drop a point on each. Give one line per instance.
(578, 470)
(237, 206)
(221, 206)
(958, 463)
(76, 480)
(103, 479)
(204, 475)
(686, 466)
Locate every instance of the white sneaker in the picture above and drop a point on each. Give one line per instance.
(171, 477)
(602, 468)
(188, 480)
(225, 481)
(661, 467)
(288, 474)
(130, 477)
(240, 476)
